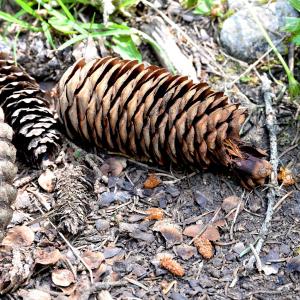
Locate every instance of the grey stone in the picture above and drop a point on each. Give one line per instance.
(240, 4)
(102, 225)
(243, 39)
(107, 198)
(177, 296)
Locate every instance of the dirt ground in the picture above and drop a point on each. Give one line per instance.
(93, 225)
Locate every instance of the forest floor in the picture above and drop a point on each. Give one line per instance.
(115, 246)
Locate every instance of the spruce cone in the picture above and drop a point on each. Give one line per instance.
(148, 113)
(27, 111)
(7, 173)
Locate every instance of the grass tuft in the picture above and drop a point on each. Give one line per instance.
(62, 17)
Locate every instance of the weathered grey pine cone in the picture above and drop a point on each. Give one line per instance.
(8, 171)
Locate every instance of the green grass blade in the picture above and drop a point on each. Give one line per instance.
(292, 25)
(124, 4)
(62, 25)
(296, 40)
(47, 33)
(11, 19)
(126, 48)
(295, 4)
(294, 85)
(28, 8)
(72, 41)
(63, 18)
(81, 37)
(66, 10)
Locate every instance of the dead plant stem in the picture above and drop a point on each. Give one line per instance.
(271, 194)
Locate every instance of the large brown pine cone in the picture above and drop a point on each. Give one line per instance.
(8, 171)
(26, 111)
(150, 114)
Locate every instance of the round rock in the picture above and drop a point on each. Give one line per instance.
(243, 39)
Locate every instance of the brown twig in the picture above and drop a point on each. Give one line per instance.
(71, 247)
(205, 227)
(287, 150)
(99, 286)
(237, 210)
(251, 67)
(280, 201)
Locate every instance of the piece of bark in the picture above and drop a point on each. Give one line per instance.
(171, 57)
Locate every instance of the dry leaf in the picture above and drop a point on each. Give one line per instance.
(19, 236)
(204, 247)
(47, 181)
(211, 233)
(33, 294)
(220, 223)
(62, 277)
(113, 166)
(99, 272)
(44, 257)
(185, 251)
(154, 213)
(171, 232)
(172, 266)
(193, 230)
(230, 203)
(286, 176)
(93, 259)
(293, 265)
(104, 295)
(69, 290)
(152, 182)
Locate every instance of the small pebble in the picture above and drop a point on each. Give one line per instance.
(47, 181)
(102, 225)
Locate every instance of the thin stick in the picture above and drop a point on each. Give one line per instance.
(132, 281)
(75, 253)
(99, 286)
(287, 150)
(205, 227)
(258, 261)
(252, 66)
(71, 247)
(180, 179)
(271, 194)
(235, 218)
(280, 201)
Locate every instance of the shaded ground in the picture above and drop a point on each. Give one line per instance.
(106, 216)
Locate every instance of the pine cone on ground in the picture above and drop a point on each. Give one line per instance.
(150, 114)
(26, 111)
(8, 171)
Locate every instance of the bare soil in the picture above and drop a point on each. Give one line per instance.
(102, 214)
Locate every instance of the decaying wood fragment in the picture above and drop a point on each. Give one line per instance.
(75, 192)
(171, 57)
